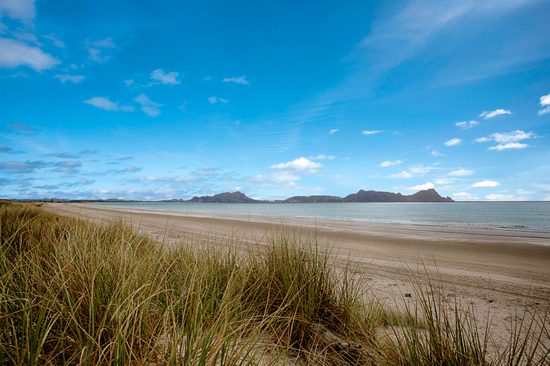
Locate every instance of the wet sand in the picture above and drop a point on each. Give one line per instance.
(498, 270)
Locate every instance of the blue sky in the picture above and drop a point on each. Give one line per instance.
(161, 100)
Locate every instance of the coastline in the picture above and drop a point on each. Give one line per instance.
(495, 272)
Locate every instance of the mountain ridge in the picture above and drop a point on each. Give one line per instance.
(428, 195)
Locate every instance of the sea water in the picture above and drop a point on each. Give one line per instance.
(522, 216)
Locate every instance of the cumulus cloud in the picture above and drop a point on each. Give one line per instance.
(485, 184)
(453, 142)
(216, 100)
(14, 53)
(466, 124)
(388, 163)
(545, 104)
(167, 78)
(460, 173)
(108, 105)
(333, 131)
(495, 113)
(242, 80)
(75, 79)
(501, 197)
(508, 140)
(371, 132)
(300, 164)
(148, 107)
(422, 187)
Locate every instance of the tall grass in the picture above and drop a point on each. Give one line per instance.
(75, 292)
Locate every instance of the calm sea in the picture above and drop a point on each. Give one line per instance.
(528, 216)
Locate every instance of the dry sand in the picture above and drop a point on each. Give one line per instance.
(499, 271)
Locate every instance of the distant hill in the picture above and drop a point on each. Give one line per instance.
(227, 197)
(313, 199)
(429, 195)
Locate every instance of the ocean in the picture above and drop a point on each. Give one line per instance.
(520, 216)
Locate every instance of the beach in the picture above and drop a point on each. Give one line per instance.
(496, 273)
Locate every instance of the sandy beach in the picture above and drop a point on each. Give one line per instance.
(499, 271)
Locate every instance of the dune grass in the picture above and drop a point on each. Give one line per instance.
(75, 292)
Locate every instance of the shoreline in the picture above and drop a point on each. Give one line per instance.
(495, 275)
(425, 231)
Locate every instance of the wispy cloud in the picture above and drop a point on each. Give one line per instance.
(485, 184)
(465, 125)
(108, 105)
(242, 80)
(333, 131)
(453, 142)
(508, 140)
(460, 173)
(20, 167)
(75, 79)
(159, 76)
(412, 171)
(371, 132)
(495, 113)
(300, 164)
(545, 104)
(97, 50)
(216, 100)
(148, 107)
(14, 53)
(23, 10)
(388, 163)
(322, 157)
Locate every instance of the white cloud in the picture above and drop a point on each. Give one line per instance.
(436, 153)
(299, 164)
(453, 142)
(148, 107)
(485, 184)
(508, 140)
(466, 124)
(282, 179)
(322, 157)
(422, 187)
(166, 78)
(412, 171)
(388, 163)
(501, 197)
(464, 196)
(216, 100)
(509, 146)
(460, 173)
(23, 10)
(403, 174)
(333, 131)
(96, 49)
(371, 132)
(237, 80)
(107, 105)
(14, 54)
(545, 103)
(129, 82)
(493, 114)
(75, 79)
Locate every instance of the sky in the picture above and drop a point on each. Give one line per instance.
(168, 100)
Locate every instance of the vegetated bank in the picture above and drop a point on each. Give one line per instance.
(73, 292)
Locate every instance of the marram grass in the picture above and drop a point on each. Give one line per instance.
(75, 292)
